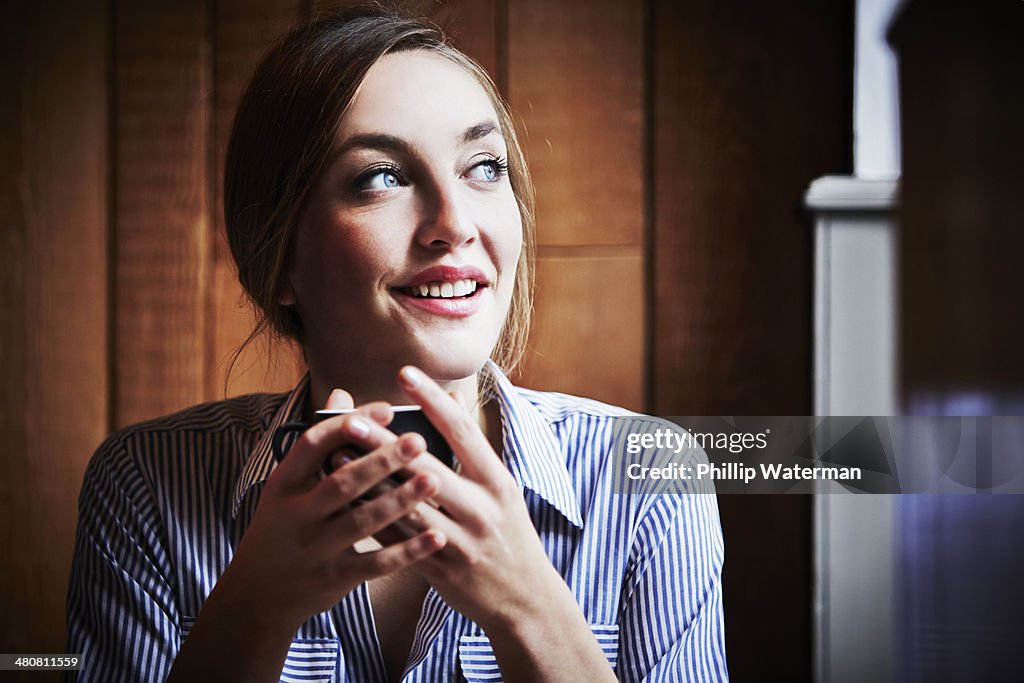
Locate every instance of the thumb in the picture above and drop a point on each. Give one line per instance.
(339, 400)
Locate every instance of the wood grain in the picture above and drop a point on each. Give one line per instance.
(54, 303)
(587, 336)
(750, 104)
(243, 31)
(741, 127)
(961, 235)
(575, 77)
(163, 221)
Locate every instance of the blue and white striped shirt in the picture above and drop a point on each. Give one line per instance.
(165, 503)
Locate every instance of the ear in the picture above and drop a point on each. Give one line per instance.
(286, 296)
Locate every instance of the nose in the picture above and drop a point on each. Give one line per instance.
(445, 220)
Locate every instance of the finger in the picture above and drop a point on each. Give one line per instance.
(458, 427)
(459, 497)
(396, 533)
(339, 400)
(382, 511)
(392, 558)
(306, 458)
(379, 411)
(365, 474)
(423, 518)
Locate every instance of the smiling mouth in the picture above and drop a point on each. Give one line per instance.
(459, 289)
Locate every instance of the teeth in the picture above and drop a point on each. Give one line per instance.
(444, 290)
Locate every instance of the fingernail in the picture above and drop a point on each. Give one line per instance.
(424, 484)
(412, 376)
(410, 447)
(434, 539)
(358, 427)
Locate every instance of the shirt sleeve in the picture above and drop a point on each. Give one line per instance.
(122, 616)
(671, 627)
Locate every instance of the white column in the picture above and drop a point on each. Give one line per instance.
(876, 120)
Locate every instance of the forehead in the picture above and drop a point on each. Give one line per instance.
(416, 91)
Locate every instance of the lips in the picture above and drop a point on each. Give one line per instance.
(445, 290)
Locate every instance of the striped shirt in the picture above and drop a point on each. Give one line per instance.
(165, 503)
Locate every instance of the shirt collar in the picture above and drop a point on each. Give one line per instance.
(533, 453)
(261, 460)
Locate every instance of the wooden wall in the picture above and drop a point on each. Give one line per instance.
(54, 307)
(670, 143)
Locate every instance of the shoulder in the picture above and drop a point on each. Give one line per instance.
(219, 432)
(556, 407)
(247, 413)
(568, 413)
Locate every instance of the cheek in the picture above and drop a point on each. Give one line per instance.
(510, 244)
(341, 255)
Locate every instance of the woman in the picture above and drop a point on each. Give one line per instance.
(379, 210)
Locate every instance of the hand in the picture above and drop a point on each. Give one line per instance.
(297, 555)
(493, 568)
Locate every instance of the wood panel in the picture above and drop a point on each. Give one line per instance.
(163, 227)
(576, 81)
(750, 103)
(575, 77)
(741, 128)
(587, 336)
(243, 31)
(962, 216)
(53, 301)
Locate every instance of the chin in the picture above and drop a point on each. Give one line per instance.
(449, 363)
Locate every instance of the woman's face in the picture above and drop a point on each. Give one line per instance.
(407, 251)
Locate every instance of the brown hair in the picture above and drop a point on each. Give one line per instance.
(281, 139)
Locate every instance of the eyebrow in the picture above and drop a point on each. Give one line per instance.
(396, 144)
(480, 130)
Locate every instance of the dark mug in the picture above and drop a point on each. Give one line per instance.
(406, 419)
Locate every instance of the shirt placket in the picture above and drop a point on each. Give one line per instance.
(353, 620)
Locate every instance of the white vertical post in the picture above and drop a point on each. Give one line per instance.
(855, 373)
(876, 120)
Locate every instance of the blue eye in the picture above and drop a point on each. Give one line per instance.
(489, 171)
(379, 179)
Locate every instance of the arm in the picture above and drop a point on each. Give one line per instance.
(671, 624)
(122, 614)
(494, 569)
